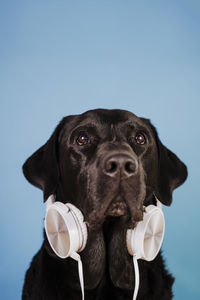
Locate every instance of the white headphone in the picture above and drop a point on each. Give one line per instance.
(66, 232)
(145, 240)
(67, 235)
(65, 228)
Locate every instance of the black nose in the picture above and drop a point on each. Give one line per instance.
(121, 164)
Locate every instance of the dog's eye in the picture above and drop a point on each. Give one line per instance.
(83, 139)
(140, 139)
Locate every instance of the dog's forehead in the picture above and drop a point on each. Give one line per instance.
(102, 119)
(108, 117)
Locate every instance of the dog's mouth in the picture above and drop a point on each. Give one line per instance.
(126, 203)
(117, 208)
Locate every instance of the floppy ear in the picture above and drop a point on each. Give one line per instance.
(41, 168)
(171, 173)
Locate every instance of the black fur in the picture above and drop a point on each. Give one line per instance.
(111, 196)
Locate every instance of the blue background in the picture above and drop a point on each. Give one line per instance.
(65, 57)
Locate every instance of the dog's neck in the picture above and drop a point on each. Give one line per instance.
(117, 254)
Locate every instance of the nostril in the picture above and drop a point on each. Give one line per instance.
(120, 165)
(111, 166)
(130, 167)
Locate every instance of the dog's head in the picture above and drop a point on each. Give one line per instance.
(107, 163)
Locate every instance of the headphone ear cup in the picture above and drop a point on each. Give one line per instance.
(65, 229)
(146, 238)
(83, 228)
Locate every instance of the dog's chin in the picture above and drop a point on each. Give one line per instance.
(117, 208)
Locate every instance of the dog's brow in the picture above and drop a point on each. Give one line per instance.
(130, 125)
(85, 126)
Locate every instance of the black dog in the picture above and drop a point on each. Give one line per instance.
(108, 163)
